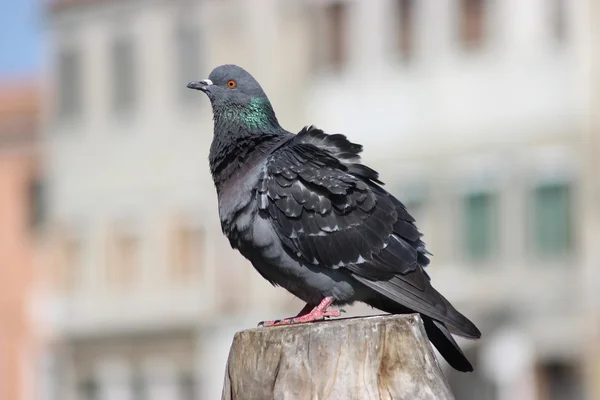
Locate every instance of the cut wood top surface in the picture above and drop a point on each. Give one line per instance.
(377, 357)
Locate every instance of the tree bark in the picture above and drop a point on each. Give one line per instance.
(380, 357)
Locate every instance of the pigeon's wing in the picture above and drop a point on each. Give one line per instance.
(329, 210)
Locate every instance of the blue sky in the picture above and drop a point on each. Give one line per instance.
(20, 37)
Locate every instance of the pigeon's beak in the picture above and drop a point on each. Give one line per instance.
(202, 85)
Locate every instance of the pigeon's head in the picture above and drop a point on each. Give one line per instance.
(237, 99)
(230, 84)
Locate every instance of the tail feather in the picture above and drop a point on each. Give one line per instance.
(443, 341)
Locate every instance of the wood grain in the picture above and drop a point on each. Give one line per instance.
(380, 357)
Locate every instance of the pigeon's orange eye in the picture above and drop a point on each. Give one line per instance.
(232, 84)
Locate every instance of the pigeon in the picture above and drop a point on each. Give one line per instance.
(316, 221)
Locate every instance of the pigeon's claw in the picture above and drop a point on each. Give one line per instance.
(310, 317)
(318, 313)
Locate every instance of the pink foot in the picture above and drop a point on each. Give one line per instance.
(318, 313)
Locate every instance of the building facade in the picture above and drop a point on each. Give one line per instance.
(146, 293)
(20, 215)
(477, 115)
(475, 112)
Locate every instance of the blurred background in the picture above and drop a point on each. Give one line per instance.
(483, 116)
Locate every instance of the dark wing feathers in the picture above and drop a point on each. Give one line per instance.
(341, 148)
(336, 145)
(328, 209)
(333, 216)
(411, 294)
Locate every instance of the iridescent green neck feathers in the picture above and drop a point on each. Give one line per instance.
(256, 116)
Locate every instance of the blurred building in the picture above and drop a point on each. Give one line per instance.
(20, 192)
(146, 292)
(476, 113)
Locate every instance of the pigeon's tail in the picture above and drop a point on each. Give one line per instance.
(443, 341)
(437, 333)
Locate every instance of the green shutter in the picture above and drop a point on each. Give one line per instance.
(552, 219)
(479, 225)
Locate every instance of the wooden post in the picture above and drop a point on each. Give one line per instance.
(381, 357)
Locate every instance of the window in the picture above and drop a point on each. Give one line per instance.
(124, 258)
(123, 75)
(480, 225)
(472, 22)
(336, 51)
(552, 219)
(188, 58)
(406, 27)
(188, 246)
(70, 86)
(558, 19)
